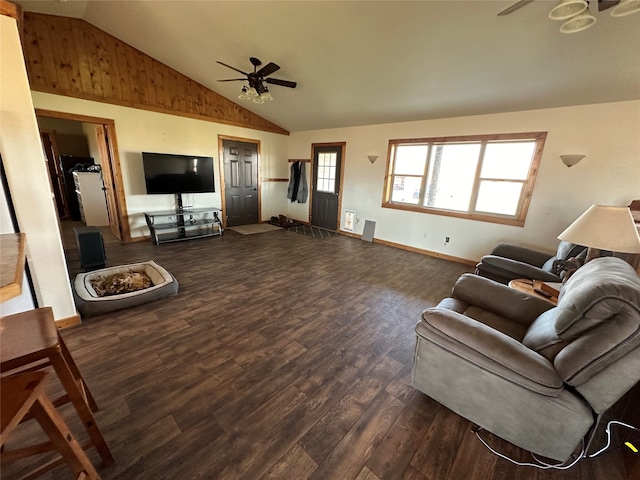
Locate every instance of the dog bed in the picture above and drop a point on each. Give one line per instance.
(89, 303)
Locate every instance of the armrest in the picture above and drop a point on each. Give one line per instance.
(516, 269)
(521, 254)
(490, 350)
(499, 299)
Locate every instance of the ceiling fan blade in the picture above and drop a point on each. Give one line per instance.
(514, 7)
(232, 68)
(268, 69)
(234, 80)
(284, 83)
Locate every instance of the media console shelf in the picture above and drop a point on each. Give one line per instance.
(174, 226)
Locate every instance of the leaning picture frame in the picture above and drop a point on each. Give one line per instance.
(349, 224)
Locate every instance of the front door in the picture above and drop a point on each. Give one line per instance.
(325, 203)
(240, 182)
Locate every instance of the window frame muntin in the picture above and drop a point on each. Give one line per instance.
(528, 184)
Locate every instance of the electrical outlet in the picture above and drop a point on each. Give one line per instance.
(446, 240)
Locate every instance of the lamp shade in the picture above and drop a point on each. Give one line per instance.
(243, 94)
(578, 23)
(567, 9)
(604, 228)
(625, 7)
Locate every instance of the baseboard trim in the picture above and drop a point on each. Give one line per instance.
(408, 248)
(141, 238)
(68, 322)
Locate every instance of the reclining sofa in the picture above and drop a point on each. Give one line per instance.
(534, 374)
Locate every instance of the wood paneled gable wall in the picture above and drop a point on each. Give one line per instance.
(68, 56)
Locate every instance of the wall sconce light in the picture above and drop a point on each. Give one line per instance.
(571, 160)
(372, 158)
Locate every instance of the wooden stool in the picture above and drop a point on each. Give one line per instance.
(30, 341)
(24, 393)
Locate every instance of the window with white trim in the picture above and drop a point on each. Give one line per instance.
(482, 177)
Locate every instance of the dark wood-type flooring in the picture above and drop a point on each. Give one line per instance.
(282, 357)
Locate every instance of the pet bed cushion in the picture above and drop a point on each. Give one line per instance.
(89, 303)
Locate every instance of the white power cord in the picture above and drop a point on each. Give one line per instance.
(561, 466)
(613, 422)
(541, 465)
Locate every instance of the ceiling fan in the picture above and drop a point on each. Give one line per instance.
(258, 91)
(602, 5)
(575, 14)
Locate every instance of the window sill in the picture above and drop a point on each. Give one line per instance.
(515, 222)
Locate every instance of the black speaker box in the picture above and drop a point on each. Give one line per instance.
(90, 247)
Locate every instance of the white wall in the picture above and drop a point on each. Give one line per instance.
(28, 180)
(608, 134)
(24, 301)
(89, 131)
(141, 130)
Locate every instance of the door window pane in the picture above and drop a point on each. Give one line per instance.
(326, 181)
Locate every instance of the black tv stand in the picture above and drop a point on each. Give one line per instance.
(180, 224)
(179, 202)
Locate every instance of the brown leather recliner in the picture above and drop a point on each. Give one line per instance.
(533, 374)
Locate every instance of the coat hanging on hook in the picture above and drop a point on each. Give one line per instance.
(297, 189)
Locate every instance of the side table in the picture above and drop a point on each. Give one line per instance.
(537, 288)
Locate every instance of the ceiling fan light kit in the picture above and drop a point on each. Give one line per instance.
(577, 14)
(243, 94)
(264, 97)
(625, 7)
(578, 23)
(567, 9)
(257, 91)
(247, 93)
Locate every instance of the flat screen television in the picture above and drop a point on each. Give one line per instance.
(169, 173)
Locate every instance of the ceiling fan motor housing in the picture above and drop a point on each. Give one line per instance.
(256, 81)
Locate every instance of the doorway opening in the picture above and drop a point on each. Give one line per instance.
(78, 143)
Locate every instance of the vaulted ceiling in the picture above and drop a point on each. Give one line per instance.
(370, 62)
